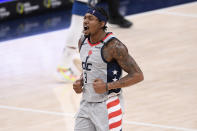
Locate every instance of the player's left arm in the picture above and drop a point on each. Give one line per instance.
(119, 52)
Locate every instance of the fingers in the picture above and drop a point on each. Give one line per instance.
(78, 90)
(77, 86)
(77, 83)
(95, 82)
(99, 86)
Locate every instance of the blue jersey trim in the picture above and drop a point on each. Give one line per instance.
(111, 66)
(114, 72)
(103, 48)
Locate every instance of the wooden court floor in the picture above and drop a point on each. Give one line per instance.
(164, 44)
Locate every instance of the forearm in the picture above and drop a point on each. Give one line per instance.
(81, 78)
(126, 81)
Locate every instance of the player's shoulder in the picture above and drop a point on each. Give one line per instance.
(115, 44)
(81, 41)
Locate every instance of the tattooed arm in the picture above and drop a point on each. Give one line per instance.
(118, 51)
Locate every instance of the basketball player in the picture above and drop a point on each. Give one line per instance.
(70, 65)
(103, 58)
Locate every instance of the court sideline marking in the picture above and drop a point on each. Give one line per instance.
(176, 14)
(72, 115)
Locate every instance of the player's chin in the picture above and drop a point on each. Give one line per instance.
(86, 33)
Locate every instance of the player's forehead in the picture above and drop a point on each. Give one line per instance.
(89, 15)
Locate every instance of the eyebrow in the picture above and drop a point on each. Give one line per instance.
(89, 15)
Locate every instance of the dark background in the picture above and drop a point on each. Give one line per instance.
(20, 18)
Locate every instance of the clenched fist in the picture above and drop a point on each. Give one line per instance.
(77, 86)
(99, 86)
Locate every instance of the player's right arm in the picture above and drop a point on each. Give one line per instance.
(78, 84)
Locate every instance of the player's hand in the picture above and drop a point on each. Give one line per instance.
(99, 86)
(77, 86)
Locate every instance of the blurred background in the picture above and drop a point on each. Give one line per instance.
(163, 41)
(20, 18)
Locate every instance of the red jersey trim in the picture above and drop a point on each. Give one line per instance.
(99, 41)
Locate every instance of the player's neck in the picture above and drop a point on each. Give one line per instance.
(100, 35)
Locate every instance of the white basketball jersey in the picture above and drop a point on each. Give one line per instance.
(94, 66)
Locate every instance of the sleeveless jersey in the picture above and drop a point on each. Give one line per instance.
(95, 66)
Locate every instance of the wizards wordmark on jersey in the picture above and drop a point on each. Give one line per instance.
(95, 66)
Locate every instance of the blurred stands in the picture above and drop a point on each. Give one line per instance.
(19, 18)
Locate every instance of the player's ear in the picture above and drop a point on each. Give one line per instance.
(102, 24)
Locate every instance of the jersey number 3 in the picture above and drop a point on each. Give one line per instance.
(85, 77)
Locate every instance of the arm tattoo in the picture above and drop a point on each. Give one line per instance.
(126, 62)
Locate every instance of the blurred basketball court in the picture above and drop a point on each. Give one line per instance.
(164, 44)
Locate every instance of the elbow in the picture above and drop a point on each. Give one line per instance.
(135, 78)
(139, 77)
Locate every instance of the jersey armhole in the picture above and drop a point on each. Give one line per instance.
(105, 43)
(82, 40)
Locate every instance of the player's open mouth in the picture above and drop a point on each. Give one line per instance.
(86, 28)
